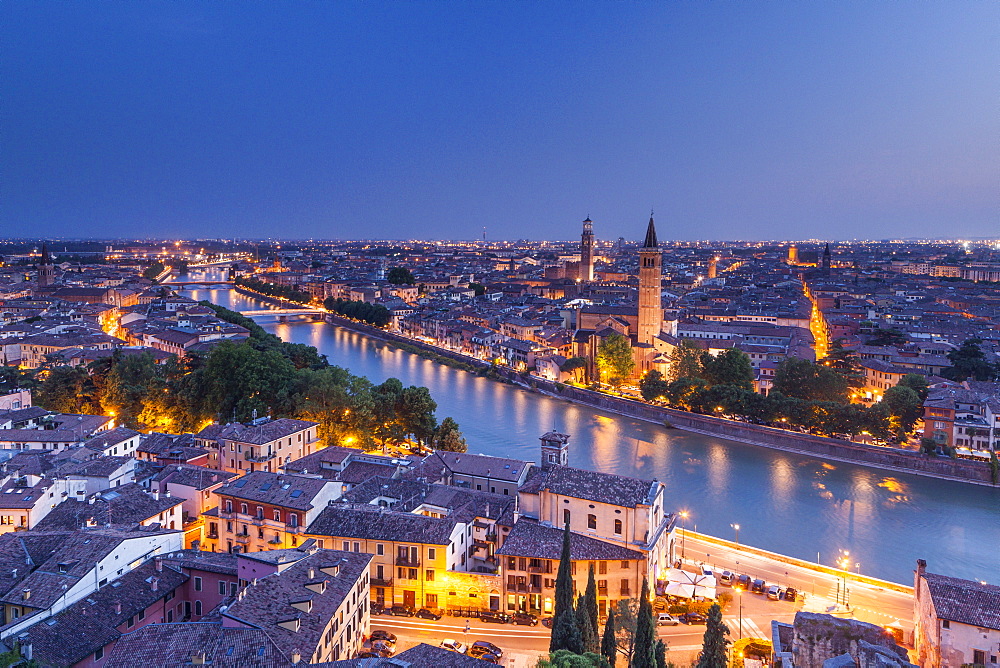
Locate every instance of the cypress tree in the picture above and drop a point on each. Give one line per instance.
(565, 634)
(643, 655)
(660, 650)
(590, 600)
(609, 642)
(715, 645)
(588, 636)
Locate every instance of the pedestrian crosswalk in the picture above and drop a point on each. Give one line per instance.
(750, 628)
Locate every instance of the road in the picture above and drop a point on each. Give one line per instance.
(868, 602)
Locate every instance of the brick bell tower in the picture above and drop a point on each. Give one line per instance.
(587, 251)
(650, 286)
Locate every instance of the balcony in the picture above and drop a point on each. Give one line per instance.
(213, 535)
(381, 582)
(243, 539)
(407, 561)
(250, 457)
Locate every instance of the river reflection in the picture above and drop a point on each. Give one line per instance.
(783, 502)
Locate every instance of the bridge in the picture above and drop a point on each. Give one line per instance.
(188, 283)
(285, 312)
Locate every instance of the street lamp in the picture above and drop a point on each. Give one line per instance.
(739, 595)
(736, 527)
(684, 515)
(844, 563)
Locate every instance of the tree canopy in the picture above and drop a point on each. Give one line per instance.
(730, 367)
(401, 276)
(614, 359)
(807, 380)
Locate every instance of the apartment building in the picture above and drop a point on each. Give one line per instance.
(262, 445)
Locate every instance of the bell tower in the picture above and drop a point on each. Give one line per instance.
(650, 286)
(555, 449)
(587, 251)
(46, 272)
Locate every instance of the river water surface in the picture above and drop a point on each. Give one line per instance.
(783, 502)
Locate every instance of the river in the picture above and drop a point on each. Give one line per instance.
(787, 503)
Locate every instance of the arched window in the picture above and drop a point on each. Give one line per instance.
(618, 526)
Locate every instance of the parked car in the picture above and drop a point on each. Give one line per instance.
(744, 582)
(665, 619)
(524, 619)
(791, 594)
(383, 636)
(693, 618)
(401, 611)
(705, 570)
(547, 622)
(378, 609)
(424, 613)
(382, 648)
(368, 654)
(484, 646)
(494, 617)
(758, 586)
(726, 578)
(453, 645)
(775, 593)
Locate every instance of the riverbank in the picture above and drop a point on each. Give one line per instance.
(828, 449)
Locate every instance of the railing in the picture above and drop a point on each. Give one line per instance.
(407, 561)
(381, 582)
(257, 458)
(243, 539)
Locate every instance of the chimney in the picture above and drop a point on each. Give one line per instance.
(296, 657)
(156, 494)
(158, 562)
(198, 658)
(919, 573)
(25, 594)
(312, 573)
(118, 607)
(154, 584)
(25, 645)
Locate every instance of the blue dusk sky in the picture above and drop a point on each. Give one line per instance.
(733, 120)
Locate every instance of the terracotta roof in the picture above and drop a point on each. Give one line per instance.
(172, 645)
(965, 601)
(375, 523)
(288, 491)
(597, 486)
(530, 539)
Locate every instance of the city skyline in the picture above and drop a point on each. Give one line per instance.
(435, 121)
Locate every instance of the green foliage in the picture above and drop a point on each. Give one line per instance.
(714, 650)
(845, 362)
(13, 378)
(577, 366)
(565, 633)
(994, 467)
(614, 359)
(449, 438)
(644, 647)
(153, 270)
(731, 367)
(759, 648)
(917, 383)
(807, 380)
(653, 386)
(566, 659)
(479, 288)
(685, 361)
(660, 653)
(373, 314)
(609, 643)
(928, 446)
(625, 625)
(401, 276)
(586, 614)
(969, 363)
(66, 389)
(887, 337)
(285, 292)
(905, 408)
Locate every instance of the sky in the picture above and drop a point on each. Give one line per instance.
(433, 120)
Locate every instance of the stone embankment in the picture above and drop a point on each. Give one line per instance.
(829, 449)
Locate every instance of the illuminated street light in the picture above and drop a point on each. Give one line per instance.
(684, 516)
(736, 527)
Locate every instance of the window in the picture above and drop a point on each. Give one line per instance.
(625, 565)
(945, 624)
(429, 575)
(979, 657)
(197, 583)
(130, 622)
(99, 654)
(346, 546)
(431, 553)
(277, 515)
(625, 587)
(293, 519)
(197, 608)
(232, 589)
(222, 589)
(432, 600)
(357, 546)
(142, 615)
(244, 509)
(229, 506)
(379, 549)
(618, 527)
(602, 567)
(260, 512)
(591, 521)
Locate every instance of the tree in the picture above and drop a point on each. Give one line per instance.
(644, 649)
(479, 288)
(614, 359)
(415, 413)
(917, 383)
(591, 638)
(715, 645)
(807, 380)
(401, 276)
(685, 360)
(969, 362)
(588, 634)
(565, 634)
(660, 650)
(994, 467)
(887, 337)
(905, 408)
(13, 378)
(566, 659)
(653, 385)
(845, 362)
(730, 367)
(609, 643)
(577, 366)
(686, 392)
(449, 438)
(627, 618)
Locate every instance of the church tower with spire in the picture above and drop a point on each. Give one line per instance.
(587, 251)
(46, 272)
(650, 287)
(825, 266)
